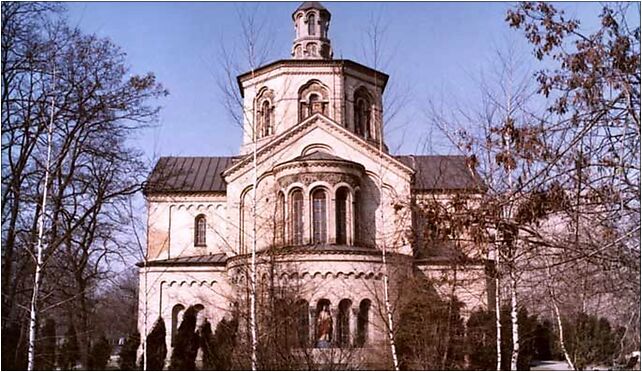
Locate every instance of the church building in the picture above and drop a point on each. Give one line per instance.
(315, 192)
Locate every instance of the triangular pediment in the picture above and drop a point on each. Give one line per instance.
(313, 127)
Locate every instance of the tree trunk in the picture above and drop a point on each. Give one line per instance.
(33, 322)
(83, 330)
(514, 324)
(558, 318)
(498, 323)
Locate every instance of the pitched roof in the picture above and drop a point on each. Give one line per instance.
(203, 174)
(442, 172)
(189, 174)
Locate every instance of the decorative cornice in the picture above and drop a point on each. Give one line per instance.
(342, 63)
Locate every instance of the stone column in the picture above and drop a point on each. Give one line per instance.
(354, 316)
(307, 216)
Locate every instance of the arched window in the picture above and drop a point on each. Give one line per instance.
(313, 98)
(245, 231)
(362, 113)
(280, 219)
(343, 323)
(319, 223)
(311, 25)
(323, 325)
(264, 113)
(303, 323)
(177, 318)
(362, 323)
(296, 217)
(266, 119)
(200, 229)
(341, 209)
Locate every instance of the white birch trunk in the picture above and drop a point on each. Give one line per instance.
(498, 323)
(386, 296)
(145, 310)
(513, 317)
(33, 319)
(253, 265)
(561, 331)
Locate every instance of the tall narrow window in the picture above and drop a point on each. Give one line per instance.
(311, 25)
(358, 117)
(245, 232)
(296, 215)
(200, 228)
(362, 323)
(343, 323)
(319, 233)
(362, 113)
(341, 213)
(266, 120)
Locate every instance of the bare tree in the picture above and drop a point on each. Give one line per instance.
(96, 106)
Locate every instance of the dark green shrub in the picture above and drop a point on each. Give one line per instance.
(70, 351)
(218, 348)
(99, 355)
(430, 333)
(186, 343)
(127, 360)
(156, 347)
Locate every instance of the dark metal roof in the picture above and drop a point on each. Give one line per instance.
(311, 5)
(218, 259)
(442, 172)
(189, 174)
(203, 174)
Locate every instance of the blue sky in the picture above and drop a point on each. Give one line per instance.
(435, 50)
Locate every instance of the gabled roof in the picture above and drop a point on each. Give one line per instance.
(318, 120)
(188, 174)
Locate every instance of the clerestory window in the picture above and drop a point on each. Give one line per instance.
(319, 223)
(341, 209)
(296, 217)
(200, 229)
